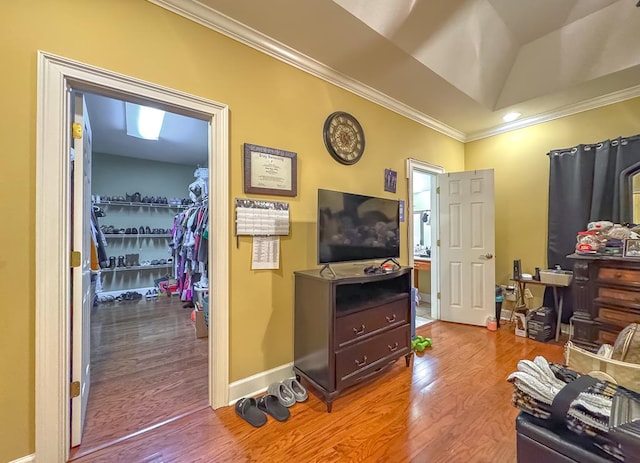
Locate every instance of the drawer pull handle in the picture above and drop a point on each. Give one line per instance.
(618, 274)
(363, 363)
(393, 348)
(357, 331)
(392, 318)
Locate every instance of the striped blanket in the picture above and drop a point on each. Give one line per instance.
(537, 382)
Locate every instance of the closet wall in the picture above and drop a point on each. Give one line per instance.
(118, 175)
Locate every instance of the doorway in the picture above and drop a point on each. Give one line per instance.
(56, 77)
(145, 332)
(423, 239)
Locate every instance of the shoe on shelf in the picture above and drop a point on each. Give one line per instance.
(141, 230)
(147, 230)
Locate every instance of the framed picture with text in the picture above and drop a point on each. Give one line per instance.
(270, 171)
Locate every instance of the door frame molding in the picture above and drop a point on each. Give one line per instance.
(435, 170)
(56, 75)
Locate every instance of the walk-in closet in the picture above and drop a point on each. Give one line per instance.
(149, 270)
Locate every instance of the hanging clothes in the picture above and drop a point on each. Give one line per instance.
(189, 248)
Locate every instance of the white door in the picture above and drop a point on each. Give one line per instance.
(81, 302)
(467, 246)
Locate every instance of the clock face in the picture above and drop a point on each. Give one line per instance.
(344, 137)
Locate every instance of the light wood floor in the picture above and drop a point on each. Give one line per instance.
(452, 404)
(146, 367)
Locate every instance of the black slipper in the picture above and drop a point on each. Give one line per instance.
(271, 405)
(247, 410)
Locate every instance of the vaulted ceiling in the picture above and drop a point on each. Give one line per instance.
(456, 65)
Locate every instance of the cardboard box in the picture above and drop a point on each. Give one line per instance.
(521, 324)
(540, 331)
(202, 331)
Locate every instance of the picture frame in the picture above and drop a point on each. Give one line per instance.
(631, 248)
(390, 180)
(270, 171)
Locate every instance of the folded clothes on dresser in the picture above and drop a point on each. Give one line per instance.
(585, 405)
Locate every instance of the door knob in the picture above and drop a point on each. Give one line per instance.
(487, 256)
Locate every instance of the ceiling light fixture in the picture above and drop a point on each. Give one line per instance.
(143, 121)
(510, 117)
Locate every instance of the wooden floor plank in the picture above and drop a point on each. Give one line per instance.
(453, 404)
(147, 366)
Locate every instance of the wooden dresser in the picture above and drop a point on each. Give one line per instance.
(348, 329)
(606, 294)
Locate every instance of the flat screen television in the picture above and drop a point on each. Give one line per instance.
(354, 227)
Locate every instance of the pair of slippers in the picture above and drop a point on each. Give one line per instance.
(288, 391)
(279, 397)
(419, 343)
(255, 411)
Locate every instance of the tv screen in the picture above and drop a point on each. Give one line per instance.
(356, 227)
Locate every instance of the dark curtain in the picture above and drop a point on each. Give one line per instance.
(587, 183)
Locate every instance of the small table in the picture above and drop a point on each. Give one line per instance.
(558, 297)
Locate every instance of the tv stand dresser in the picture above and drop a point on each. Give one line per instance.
(349, 328)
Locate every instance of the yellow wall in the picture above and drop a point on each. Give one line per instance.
(522, 178)
(270, 103)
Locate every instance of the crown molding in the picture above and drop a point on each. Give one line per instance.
(212, 19)
(593, 103)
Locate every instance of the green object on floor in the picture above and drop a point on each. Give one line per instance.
(420, 343)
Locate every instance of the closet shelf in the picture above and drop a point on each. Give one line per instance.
(131, 204)
(135, 235)
(137, 267)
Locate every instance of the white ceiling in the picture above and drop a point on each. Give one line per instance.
(455, 65)
(183, 140)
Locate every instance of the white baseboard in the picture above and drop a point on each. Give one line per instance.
(258, 383)
(28, 459)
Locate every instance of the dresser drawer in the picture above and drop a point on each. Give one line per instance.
(607, 337)
(358, 361)
(619, 295)
(617, 317)
(363, 324)
(620, 275)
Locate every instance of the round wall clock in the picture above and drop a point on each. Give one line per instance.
(343, 137)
